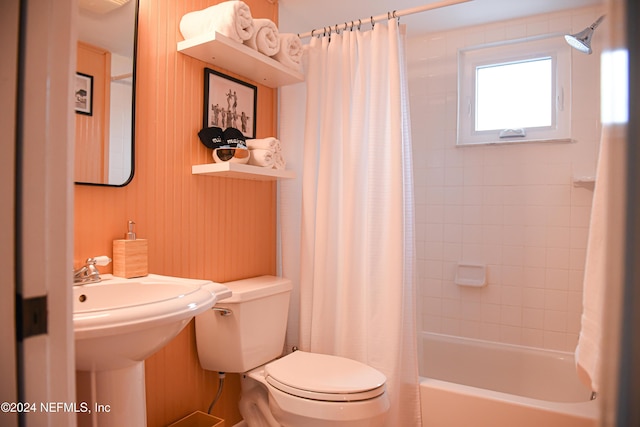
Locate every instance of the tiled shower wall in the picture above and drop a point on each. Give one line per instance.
(514, 208)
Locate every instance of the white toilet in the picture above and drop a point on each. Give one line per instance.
(245, 334)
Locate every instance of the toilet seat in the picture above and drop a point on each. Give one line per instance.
(324, 377)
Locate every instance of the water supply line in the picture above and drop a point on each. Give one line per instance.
(221, 376)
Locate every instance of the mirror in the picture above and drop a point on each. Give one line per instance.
(105, 92)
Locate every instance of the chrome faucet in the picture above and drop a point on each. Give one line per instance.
(89, 273)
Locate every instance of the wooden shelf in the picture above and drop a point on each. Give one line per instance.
(241, 171)
(217, 49)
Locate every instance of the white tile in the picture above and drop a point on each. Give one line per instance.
(533, 338)
(453, 195)
(558, 258)
(533, 318)
(473, 195)
(490, 313)
(556, 300)
(453, 233)
(492, 295)
(511, 334)
(533, 298)
(492, 234)
(511, 315)
(513, 256)
(512, 275)
(555, 340)
(558, 237)
(556, 279)
(513, 235)
(580, 216)
(555, 321)
(535, 256)
(453, 214)
(512, 295)
(534, 277)
(452, 251)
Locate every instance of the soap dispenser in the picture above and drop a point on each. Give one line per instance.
(130, 255)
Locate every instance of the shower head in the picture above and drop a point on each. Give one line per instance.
(582, 40)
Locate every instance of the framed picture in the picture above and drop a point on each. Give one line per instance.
(83, 94)
(229, 102)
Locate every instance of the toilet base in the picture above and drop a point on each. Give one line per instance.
(266, 406)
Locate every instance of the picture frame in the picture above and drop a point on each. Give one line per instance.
(83, 94)
(229, 102)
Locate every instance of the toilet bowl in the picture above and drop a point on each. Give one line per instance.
(299, 389)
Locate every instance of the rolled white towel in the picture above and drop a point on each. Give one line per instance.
(270, 143)
(279, 162)
(262, 157)
(290, 53)
(230, 18)
(265, 37)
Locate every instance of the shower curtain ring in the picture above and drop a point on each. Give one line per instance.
(312, 32)
(373, 23)
(336, 28)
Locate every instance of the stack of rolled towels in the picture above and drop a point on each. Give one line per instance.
(233, 19)
(266, 152)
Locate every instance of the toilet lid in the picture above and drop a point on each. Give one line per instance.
(324, 377)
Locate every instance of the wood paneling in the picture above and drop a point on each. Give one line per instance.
(197, 226)
(92, 132)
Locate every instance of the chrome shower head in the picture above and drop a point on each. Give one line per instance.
(582, 40)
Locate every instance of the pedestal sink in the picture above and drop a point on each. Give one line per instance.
(118, 323)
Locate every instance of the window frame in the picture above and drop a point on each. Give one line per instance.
(514, 51)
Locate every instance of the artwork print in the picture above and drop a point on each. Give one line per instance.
(229, 102)
(83, 94)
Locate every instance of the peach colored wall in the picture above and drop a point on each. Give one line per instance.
(197, 226)
(92, 131)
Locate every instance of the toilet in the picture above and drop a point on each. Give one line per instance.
(245, 334)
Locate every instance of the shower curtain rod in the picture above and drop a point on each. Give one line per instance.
(374, 19)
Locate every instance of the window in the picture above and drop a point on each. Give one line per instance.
(514, 92)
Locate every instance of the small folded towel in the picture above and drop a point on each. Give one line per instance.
(290, 53)
(262, 157)
(270, 143)
(265, 37)
(230, 18)
(279, 162)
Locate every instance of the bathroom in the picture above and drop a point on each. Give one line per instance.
(224, 229)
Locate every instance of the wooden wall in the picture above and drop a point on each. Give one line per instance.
(198, 226)
(92, 131)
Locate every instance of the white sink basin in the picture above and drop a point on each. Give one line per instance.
(119, 322)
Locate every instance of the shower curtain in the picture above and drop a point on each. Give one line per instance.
(353, 256)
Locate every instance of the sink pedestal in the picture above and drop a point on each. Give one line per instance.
(113, 397)
(117, 324)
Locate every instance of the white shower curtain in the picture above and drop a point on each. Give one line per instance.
(356, 247)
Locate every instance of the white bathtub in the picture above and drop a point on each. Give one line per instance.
(466, 382)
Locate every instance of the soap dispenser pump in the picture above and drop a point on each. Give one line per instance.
(130, 255)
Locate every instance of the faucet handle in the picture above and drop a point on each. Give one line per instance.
(99, 260)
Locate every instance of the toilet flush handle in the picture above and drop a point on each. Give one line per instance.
(223, 311)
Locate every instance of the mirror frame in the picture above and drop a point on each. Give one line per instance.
(133, 108)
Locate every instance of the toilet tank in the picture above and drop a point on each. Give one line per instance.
(253, 333)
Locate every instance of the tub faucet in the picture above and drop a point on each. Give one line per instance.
(89, 273)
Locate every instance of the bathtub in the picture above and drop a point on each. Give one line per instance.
(467, 382)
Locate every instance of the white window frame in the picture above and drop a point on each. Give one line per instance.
(548, 46)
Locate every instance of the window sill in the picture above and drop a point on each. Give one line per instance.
(517, 142)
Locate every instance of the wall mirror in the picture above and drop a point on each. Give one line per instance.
(104, 92)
